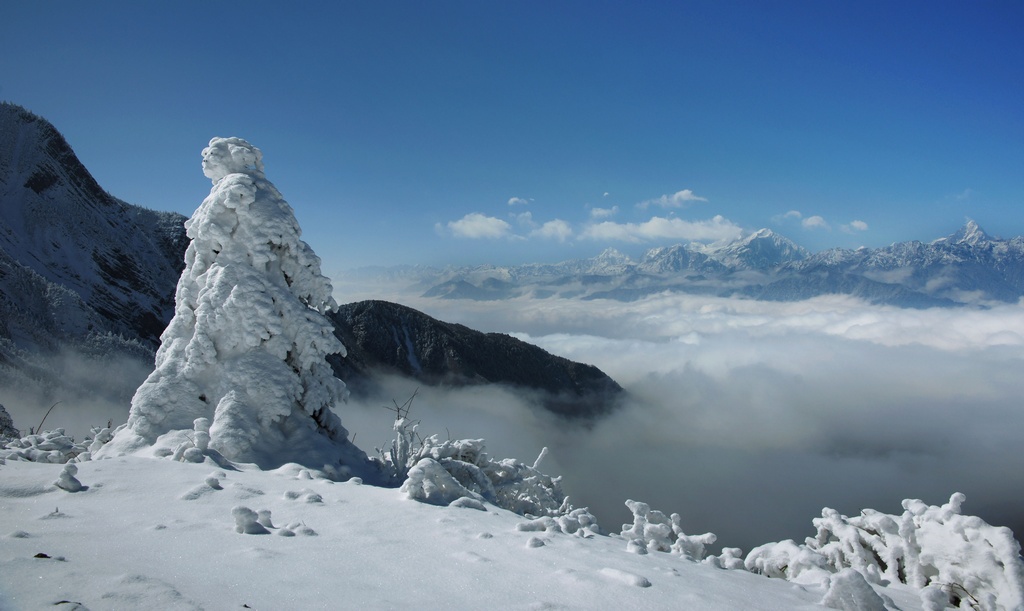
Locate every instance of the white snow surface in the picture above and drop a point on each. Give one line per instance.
(149, 533)
(246, 348)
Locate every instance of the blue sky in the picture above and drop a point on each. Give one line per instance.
(506, 132)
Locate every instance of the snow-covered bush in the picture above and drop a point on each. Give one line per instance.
(247, 346)
(579, 522)
(731, 559)
(54, 446)
(653, 531)
(508, 483)
(49, 446)
(933, 548)
(430, 482)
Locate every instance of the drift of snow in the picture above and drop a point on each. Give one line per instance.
(246, 348)
(136, 538)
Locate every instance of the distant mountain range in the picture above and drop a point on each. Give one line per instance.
(81, 269)
(968, 267)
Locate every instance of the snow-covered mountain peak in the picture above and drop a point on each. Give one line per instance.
(612, 256)
(970, 234)
(761, 249)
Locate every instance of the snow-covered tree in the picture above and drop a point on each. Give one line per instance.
(245, 354)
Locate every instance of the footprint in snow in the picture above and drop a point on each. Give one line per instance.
(305, 494)
(246, 492)
(471, 557)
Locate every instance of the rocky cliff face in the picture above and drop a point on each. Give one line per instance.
(387, 337)
(74, 260)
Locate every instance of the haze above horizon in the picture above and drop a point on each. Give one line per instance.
(460, 133)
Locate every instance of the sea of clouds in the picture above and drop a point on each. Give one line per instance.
(748, 417)
(744, 417)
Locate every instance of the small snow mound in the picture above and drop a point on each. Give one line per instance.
(468, 503)
(849, 591)
(535, 542)
(625, 577)
(247, 521)
(67, 480)
(19, 534)
(264, 518)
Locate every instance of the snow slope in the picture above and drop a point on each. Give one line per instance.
(154, 533)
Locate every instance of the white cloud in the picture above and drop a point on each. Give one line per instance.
(556, 229)
(519, 201)
(853, 226)
(715, 228)
(525, 219)
(678, 199)
(814, 222)
(783, 218)
(479, 226)
(602, 213)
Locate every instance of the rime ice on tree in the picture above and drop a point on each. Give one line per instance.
(246, 348)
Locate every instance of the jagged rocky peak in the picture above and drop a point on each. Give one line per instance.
(970, 234)
(612, 256)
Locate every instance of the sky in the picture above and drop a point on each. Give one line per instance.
(483, 132)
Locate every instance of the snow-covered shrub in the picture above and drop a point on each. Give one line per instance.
(508, 483)
(579, 522)
(247, 346)
(49, 446)
(787, 560)
(429, 482)
(731, 559)
(928, 547)
(653, 531)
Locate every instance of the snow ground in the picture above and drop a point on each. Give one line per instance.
(158, 534)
